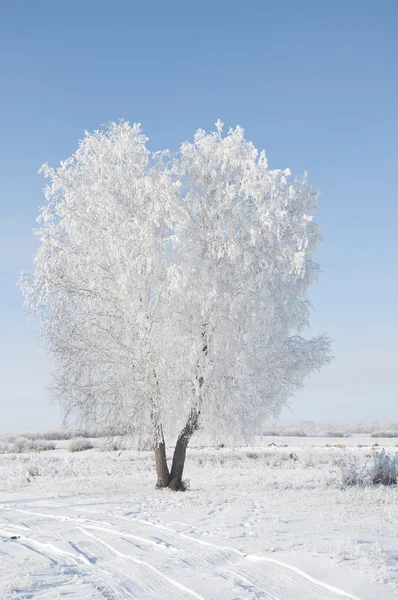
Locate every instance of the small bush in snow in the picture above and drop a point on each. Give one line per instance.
(114, 446)
(384, 469)
(381, 470)
(252, 455)
(281, 460)
(80, 444)
(21, 445)
(33, 471)
(353, 470)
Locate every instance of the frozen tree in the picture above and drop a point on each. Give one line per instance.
(172, 288)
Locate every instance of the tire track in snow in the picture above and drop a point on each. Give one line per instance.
(158, 545)
(114, 585)
(83, 557)
(280, 581)
(102, 580)
(146, 565)
(251, 557)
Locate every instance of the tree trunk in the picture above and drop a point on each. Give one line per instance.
(162, 468)
(177, 468)
(175, 481)
(180, 451)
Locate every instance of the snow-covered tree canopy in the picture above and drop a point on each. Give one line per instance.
(172, 288)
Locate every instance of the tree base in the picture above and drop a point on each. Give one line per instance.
(173, 479)
(175, 485)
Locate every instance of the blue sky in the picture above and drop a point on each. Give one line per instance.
(314, 83)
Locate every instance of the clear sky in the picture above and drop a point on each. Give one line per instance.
(314, 83)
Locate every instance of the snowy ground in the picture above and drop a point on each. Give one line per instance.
(271, 522)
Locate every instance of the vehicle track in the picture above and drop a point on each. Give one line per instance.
(143, 582)
(156, 550)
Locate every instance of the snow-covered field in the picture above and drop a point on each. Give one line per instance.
(271, 522)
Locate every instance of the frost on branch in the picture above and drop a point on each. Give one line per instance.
(172, 289)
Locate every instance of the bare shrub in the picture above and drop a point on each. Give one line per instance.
(353, 471)
(80, 444)
(251, 455)
(33, 471)
(280, 460)
(115, 446)
(382, 469)
(20, 445)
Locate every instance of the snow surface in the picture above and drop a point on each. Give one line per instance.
(269, 523)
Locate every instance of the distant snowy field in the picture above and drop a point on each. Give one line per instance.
(267, 522)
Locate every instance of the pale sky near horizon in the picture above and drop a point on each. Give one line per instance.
(313, 83)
